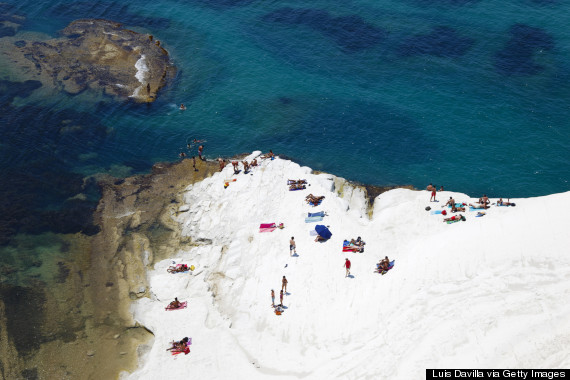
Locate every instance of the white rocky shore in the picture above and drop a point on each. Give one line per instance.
(490, 292)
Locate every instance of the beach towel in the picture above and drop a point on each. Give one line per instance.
(297, 188)
(352, 248)
(313, 233)
(315, 205)
(457, 205)
(435, 212)
(182, 306)
(267, 229)
(313, 219)
(267, 225)
(320, 213)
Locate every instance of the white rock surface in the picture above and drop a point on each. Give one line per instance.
(491, 292)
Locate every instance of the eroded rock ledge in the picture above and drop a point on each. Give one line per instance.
(96, 54)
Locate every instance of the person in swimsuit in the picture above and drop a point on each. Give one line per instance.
(175, 304)
(281, 298)
(433, 192)
(284, 284)
(272, 298)
(455, 217)
(347, 265)
(292, 246)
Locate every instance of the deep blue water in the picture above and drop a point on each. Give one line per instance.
(472, 95)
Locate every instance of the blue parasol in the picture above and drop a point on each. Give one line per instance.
(323, 231)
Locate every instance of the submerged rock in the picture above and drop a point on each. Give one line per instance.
(100, 55)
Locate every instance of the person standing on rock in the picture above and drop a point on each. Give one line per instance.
(272, 298)
(292, 246)
(148, 89)
(433, 192)
(281, 298)
(194, 163)
(284, 284)
(200, 149)
(347, 266)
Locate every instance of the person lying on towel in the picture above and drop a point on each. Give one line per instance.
(455, 217)
(179, 346)
(313, 199)
(175, 304)
(500, 202)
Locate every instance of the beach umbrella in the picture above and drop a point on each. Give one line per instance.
(323, 231)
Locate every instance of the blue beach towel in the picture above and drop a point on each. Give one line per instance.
(435, 212)
(315, 205)
(313, 219)
(320, 213)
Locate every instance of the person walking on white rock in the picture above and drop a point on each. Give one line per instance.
(292, 246)
(272, 298)
(347, 266)
(284, 284)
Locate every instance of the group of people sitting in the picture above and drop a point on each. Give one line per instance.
(483, 203)
(384, 264)
(354, 245)
(314, 199)
(246, 165)
(180, 346)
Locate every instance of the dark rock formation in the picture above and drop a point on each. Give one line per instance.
(99, 55)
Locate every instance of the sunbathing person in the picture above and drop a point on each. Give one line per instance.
(477, 205)
(297, 182)
(178, 268)
(297, 187)
(320, 238)
(455, 209)
(254, 162)
(357, 242)
(384, 264)
(500, 202)
(179, 346)
(235, 165)
(175, 304)
(455, 217)
(245, 166)
(313, 199)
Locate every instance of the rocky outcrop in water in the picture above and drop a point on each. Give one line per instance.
(95, 54)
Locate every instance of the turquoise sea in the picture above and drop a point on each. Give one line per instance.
(473, 95)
